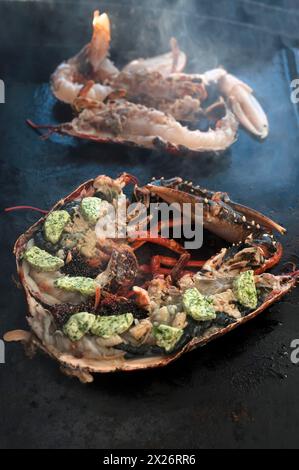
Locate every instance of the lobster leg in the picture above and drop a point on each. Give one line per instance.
(148, 234)
(155, 269)
(164, 242)
(171, 262)
(178, 266)
(148, 269)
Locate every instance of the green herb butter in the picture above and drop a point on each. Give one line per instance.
(90, 209)
(105, 327)
(55, 224)
(82, 285)
(167, 336)
(245, 290)
(198, 306)
(78, 325)
(42, 261)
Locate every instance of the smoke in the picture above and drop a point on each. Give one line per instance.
(180, 19)
(211, 32)
(144, 29)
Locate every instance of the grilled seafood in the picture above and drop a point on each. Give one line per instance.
(182, 96)
(119, 314)
(123, 122)
(157, 94)
(177, 94)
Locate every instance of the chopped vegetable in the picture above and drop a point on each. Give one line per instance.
(83, 285)
(90, 209)
(55, 224)
(105, 327)
(167, 336)
(78, 325)
(245, 290)
(42, 260)
(198, 306)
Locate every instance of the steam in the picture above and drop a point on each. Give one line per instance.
(182, 20)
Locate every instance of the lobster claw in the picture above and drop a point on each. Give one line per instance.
(171, 194)
(231, 221)
(165, 64)
(244, 105)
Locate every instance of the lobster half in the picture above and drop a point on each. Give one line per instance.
(95, 306)
(151, 103)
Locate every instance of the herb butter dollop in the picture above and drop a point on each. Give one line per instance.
(81, 285)
(78, 325)
(167, 336)
(90, 209)
(105, 327)
(245, 290)
(55, 224)
(199, 307)
(42, 260)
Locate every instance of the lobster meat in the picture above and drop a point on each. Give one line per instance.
(151, 103)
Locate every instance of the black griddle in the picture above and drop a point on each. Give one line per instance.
(240, 391)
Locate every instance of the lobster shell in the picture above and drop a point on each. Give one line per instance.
(84, 368)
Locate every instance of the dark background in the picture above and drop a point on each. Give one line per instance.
(241, 391)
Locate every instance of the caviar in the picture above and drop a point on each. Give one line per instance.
(79, 267)
(110, 305)
(113, 305)
(62, 312)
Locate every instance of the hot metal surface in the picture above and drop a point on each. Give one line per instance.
(241, 391)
